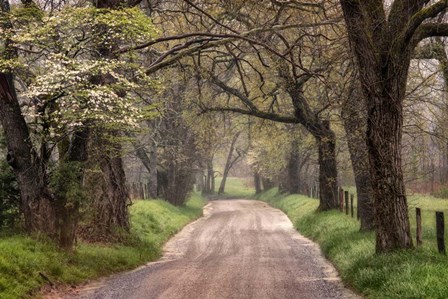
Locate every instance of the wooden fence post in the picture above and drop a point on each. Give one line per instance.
(352, 198)
(346, 203)
(418, 217)
(440, 225)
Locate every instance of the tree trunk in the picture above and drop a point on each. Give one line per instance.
(36, 201)
(257, 183)
(293, 168)
(354, 115)
(327, 169)
(267, 183)
(111, 208)
(108, 186)
(383, 58)
(384, 145)
(153, 159)
(229, 163)
(67, 207)
(209, 187)
(180, 183)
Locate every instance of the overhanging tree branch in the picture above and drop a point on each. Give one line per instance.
(257, 113)
(430, 29)
(419, 17)
(222, 40)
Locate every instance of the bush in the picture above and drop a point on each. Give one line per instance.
(9, 196)
(442, 193)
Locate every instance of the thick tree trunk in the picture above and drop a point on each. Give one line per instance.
(111, 208)
(384, 145)
(229, 163)
(293, 178)
(354, 115)
(67, 207)
(383, 58)
(326, 143)
(180, 183)
(107, 187)
(36, 201)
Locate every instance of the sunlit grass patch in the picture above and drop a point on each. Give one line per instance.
(236, 187)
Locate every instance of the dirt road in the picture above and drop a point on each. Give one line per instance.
(239, 249)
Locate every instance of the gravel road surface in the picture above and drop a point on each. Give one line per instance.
(239, 249)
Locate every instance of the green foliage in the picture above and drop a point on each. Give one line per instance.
(73, 29)
(65, 182)
(9, 196)
(442, 193)
(74, 75)
(9, 192)
(153, 222)
(417, 273)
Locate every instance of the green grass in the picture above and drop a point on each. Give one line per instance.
(153, 222)
(420, 273)
(236, 187)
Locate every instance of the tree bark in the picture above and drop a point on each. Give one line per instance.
(383, 57)
(112, 200)
(68, 208)
(354, 116)
(111, 195)
(328, 188)
(36, 200)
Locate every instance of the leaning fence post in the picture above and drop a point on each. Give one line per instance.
(440, 225)
(346, 202)
(352, 198)
(418, 218)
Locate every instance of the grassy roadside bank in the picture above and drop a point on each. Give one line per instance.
(421, 273)
(24, 262)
